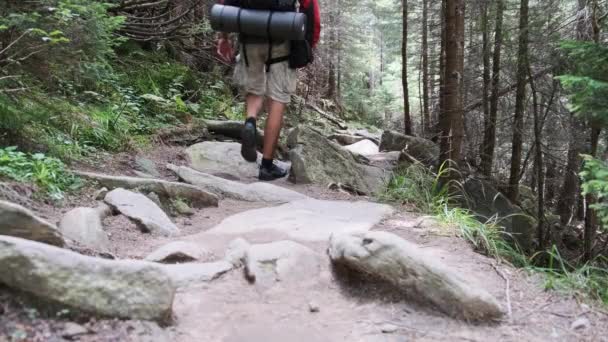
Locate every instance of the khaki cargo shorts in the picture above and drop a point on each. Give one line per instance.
(278, 84)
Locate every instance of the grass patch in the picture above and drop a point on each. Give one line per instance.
(49, 174)
(419, 189)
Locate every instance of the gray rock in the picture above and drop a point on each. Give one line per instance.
(255, 192)
(168, 190)
(147, 166)
(345, 139)
(84, 225)
(388, 328)
(421, 149)
(307, 220)
(212, 157)
(318, 160)
(73, 330)
(178, 252)
(182, 208)
(375, 137)
(194, 274)
(143, 174)
(414, 271)
(236, 252)
(314, 307)
(364, 147)
(17, 221)
(141, 210)
(581, 323)
(284, 261)
(483, 199)
(100, 194)
(121, 289)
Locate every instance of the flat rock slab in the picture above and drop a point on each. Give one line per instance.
(141, 210)
(193, 274)
(17, 221)
(199, 198)
(364, 147)
(126, 289)
(281, 261)
(178, 252)
(212, 157)
(254, 192)
(84, 225)
(415, 272)
(307, 220)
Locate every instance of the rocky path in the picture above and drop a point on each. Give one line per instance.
(245, 261)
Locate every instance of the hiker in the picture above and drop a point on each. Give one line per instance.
(266, 69)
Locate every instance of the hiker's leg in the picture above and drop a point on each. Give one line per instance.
(274, 124)
(254, 104)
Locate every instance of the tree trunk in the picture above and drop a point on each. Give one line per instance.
(520, 99)
(542, 236)
(331, 79)
(569, 191)
(453, 125)
(486, 68)
(406, 101)
(489, 138)
(425, 69)
(444, 118)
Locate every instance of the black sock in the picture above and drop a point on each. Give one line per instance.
(251, 120)
(267, 163)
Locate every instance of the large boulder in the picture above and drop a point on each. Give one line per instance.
(84, 226)
(223, 157)
(486, 202)
(415, 272)
(284, 261)
(178, 252)
(307, 220)
(17, 221)
(317, 160)
(121, 289)
(254, 192)
(168, 191)
(345, 138)
(148, 216)
(196, 274)
(421, 149)
(364, 147)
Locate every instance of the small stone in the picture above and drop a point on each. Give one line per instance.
(73, 330)
(580, 324)
(147, 166)
(388, 328)
(314, 307)
(101, 194)
(182, 208)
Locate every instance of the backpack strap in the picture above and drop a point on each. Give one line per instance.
(243, 38)
(268, 64)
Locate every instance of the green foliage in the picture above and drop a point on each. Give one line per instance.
(417, 187)
(595, 182)
(47, 173)
(587, 79)
(587, 282)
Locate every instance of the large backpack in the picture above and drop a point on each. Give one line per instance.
(301, 53)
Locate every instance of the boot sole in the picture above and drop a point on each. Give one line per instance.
(248, 150)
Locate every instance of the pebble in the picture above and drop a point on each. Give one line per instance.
(101, 194)
(581, 323)
(72, 330)
(314, 307)
(388, 328)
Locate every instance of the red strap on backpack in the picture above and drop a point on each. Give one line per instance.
(311, 9)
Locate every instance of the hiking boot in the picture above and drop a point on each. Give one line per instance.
(248, 144)
(272, 173)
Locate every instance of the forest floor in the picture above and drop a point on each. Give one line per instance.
(232, 309)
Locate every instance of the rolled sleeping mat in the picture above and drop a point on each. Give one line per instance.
(280, 25)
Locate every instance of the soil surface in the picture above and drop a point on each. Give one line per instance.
(346, 307)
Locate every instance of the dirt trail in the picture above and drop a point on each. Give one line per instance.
(232, 309)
